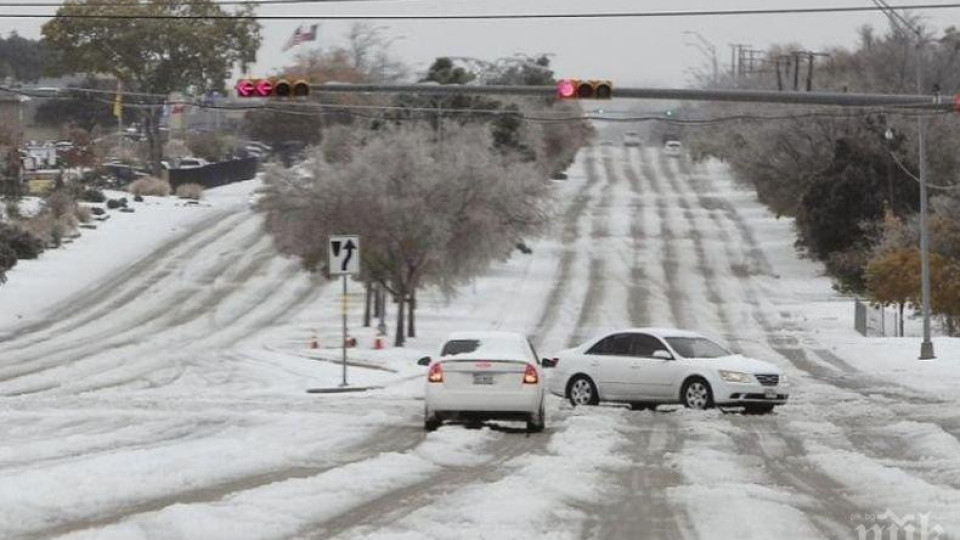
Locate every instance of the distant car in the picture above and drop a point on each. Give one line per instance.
(631, 138)
(484, 376)
(191, 163)
(673, 148)
(646, 367)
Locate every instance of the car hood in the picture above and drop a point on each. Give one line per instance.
(738, 362)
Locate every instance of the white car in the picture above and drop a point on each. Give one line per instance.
(646, 367)
(673, 148)
(484, 376)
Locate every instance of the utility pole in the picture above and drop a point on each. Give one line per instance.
(926, 346)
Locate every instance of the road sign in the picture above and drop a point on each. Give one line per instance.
(344, 255)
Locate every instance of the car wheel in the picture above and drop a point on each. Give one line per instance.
(431, 421)
(760, 408)
(582, 391)
(537, 422)
(696, 394)
(643, 406)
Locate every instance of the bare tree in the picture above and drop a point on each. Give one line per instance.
(428, 213)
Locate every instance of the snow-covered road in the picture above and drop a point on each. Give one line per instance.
(170, 402)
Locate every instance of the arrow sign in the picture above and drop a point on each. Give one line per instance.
(344, 255)
(245, 87)
(264, 87)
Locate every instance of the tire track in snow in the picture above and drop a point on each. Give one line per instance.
(167, 309)
(394, 505)
(642, 509)
(803, 476)
(185, 306)
(638, 303)
(391, 439)
(561, 300)
(108, 296)
(598, 240)
(798, 474)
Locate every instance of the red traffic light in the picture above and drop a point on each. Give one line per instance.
(580, 89)
(566, 88)
(245, 88)
(272, 88)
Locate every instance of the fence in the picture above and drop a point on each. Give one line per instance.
(215, 174)
(875, 320)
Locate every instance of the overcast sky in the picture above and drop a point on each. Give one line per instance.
(653, 51)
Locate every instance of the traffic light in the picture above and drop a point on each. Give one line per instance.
(281, 88)
(584, 89)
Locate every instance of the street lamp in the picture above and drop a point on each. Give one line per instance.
(926, 346)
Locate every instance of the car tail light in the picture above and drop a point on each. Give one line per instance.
(530, 375)
(436, 373)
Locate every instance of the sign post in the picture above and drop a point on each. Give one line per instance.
(344, 256)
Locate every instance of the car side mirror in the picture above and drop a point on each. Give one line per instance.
(662, 354)
(549, 362)
(425, 361)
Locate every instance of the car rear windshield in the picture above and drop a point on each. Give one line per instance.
(696, 347)
(459, 346)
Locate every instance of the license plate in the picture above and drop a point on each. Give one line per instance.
(770, 394)
(482, 378)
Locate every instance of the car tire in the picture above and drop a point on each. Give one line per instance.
(643, 406)
(696, 394)
(582, 391)
(431, 421)
(759, 408)
(537, 422)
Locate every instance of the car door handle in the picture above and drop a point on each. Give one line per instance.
(595, 363)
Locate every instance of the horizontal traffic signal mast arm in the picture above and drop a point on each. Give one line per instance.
(841, 99)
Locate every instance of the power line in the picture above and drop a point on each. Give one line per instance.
(483, 16)
(254, 3)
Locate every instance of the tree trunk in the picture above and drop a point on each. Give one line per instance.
(411, 319)
(400, 337)
(382, 294)
(902, 304)
(368, 290)
(377, 307)
(151, 122)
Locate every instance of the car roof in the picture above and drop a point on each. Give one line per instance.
(494, 354)
(661, 332)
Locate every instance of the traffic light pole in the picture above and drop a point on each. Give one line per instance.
(838, 99)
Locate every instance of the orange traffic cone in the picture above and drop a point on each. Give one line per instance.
(314, 342)
(378, 342)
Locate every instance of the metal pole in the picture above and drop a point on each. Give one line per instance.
(344, 345)
(842, 99)
(926, 347)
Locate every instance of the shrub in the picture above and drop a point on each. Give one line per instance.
(23, 243)
(93, 196)
(8, 259)
(150, 185)
(83, 214)
(137, 198)
(190, 191)
(97, 211)
(12, 209)
(113, 204)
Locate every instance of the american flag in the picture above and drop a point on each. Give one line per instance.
(301, 36)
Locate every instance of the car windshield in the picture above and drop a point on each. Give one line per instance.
(697, 347)
(459, 346)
